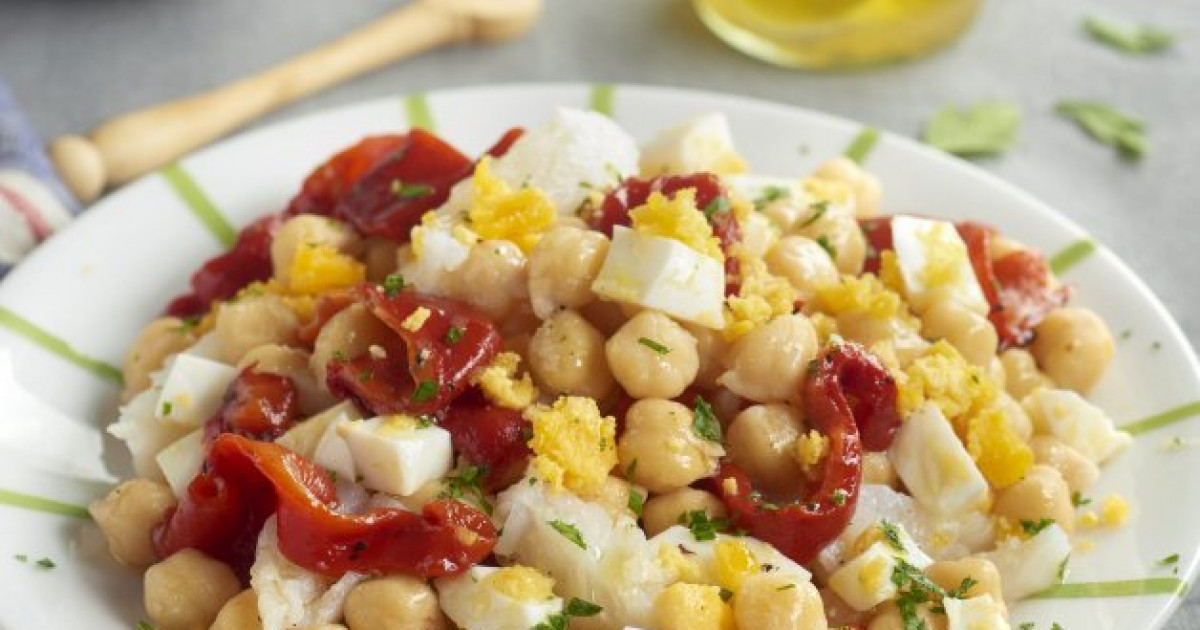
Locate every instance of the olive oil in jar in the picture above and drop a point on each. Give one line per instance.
(836, 33)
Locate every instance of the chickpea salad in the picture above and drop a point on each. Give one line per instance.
(578, 383)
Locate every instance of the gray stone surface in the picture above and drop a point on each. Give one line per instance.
(75, 62)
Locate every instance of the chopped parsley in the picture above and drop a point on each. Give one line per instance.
(468, 484)
(167, 408)
(142, 625)
(819, 209)
(964, 587)
(636, 502)
(568, 531)
(657, 347)
(1107, 126)
(1062, 568)
(770, 195)
(838, 499)
(829, 248)
(1169, 560)
(410, 191)
(425, 391)
(553, 622)
(891, 534)
(1078, 500)
(581, 608)
(1033, 528)
(1055, 626)
(988, 128)
(46, 563)
(453, 335)
(1157, 345)
(720, 203)
(704, 421)
(1028, 625)
(424, 421)
(365, 375)
(393, 284)
(787, 587)
(725, 594)
(1128, 38)
(913, 588)
(862, 144)
(703, 528)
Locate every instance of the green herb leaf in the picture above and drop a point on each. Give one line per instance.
(838, 498)
(553, 622)
(46, 563)
(453, 335)
(891, 534)
(582, 608)
(410, 191)
(568, 531)
(657, 347)
(425, 421)
(720, 203)
(425, 391)
(703, 528)
(704, 421)
(393, 284)
(862, 144)
(1169, 560)
(829, 247)
(786, 587)
(1032, 528)
(1128, 38)
(1078, 500)
(960, 591)
(167, 407)
(770, 195)
(142, 625)
(1028, 625)
(636, 502)
(819, 209)
(725, 594)
(988, 128)
(21, 557)
(467, 484)
(1107, 126)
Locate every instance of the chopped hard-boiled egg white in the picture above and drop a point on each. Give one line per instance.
(493, 598)
(866, 580)
(181, 461)
(396, 454)
(663, 274)
(438, 246)
(304, 436)
(935, 265)
(1032, 565)
(290, 596)
(192, 390)
(702, 144)
(1081, 425)
(975, 613)
(935, 466)
(332, 452)
(574, 445)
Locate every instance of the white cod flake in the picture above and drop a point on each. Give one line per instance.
(935, 466)
(290, 596)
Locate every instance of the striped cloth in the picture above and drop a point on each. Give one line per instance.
(33, 202)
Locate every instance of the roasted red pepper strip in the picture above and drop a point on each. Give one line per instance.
(847, 390)
(258, 405)
(336, 177)
(223, 276)
(489, 436)
(248, 480)
(328, 305)
(427, 366)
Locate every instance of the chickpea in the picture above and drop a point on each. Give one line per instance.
(870, 331)
(493, 278)
(1015, 416)
(878, 469)
(160, 339)
(949, 574)
(762, 440)
(769, 601)
(711, 347)
(292, 363)
(804, 263)
(994, 370)
(607, 317)
(128, 515)
(769, 362)
(972, 334)
(187, 590)
(252, 321)
(668, 453)
(642, 370)
(350, 333)
(838, 612)
(381, 258)
(397, 601)
(306, 230)
(866, 187)
(1021, 375)
(1074, 347)
(1042, 493)
(664, 510)
(239, 613)
(566, 355)
(562, 267)
(1078, 471)
(839, 231)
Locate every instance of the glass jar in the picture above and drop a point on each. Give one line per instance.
(821, 34)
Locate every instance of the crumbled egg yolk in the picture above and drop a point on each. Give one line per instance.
(889, 272)
(734, 562)
(833, 191)
(825, 326)
(692, 606)
(761, 297)
(521, 583)
(1114, 510)
(416, 319)
(872, 574)
(811, 449)
(677, 218)
(679, 566)
(302, 304)
(574, 446)
(500, 384)
(317, 267)
(1001, 455)
(499, 212)
(861, 294)
(945, 256)
(944, 378)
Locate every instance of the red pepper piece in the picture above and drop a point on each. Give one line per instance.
(489, 436)
(845, 391)
(332, 180)
(223, 276)
(328, 305)
(878, 233)
(423, 369)
(505, 142)
(248, 480)
(258, 405)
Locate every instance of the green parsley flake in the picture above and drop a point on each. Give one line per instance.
(770, 195)
(1169, 560)
(167, 407)
(425, 391)
(1028, 625)
(988, 128)
(453, 335)
(142, 625)
(725, 594)
(913, 588)
(393, 284)
(1128, 38)
(657, 347)
(819, 209)
(704, 421)
(838, 499)
(829, 247)
(703, 528)
(636, 502)
(891, 534)
(862, 145)
(1032, 528)
(964, 587)
(1055, 626)
(786, 587)
(410, 191)
(553, 622)
(468, 484)
(1078, 500)
(21, 557)
(1107, 126)
(568, 531)
(581, 608)
(720, 203)
(46, 563)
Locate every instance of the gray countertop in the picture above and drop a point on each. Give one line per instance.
(73, 63)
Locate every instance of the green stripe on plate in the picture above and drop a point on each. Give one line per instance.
(200, 204)
(602, 98)
(1158, 421)
(1120, 588)
(41, 504)
(416, 109)
(47, 340)
(1072, 255)
(860, 148)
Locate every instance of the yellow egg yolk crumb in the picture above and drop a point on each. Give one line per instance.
(761, 297)
(499, 212)
(677, 218)
(945, 255)
(316, 268)
(943, 377)
(860, 294)
(679, 566)
(811, 449)
(416, 319)
(521, 583)
(500, 384)
(574, 446)
(734, 562)
(833, 191)
(1001, 455)
(1114, 510)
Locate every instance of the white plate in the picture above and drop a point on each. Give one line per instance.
(98, 282)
